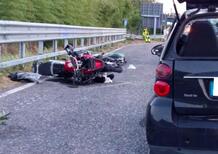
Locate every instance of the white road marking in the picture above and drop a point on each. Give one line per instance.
(116, 84)
(102, 85)
(16, 89)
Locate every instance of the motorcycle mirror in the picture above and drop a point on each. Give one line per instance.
(69, 48)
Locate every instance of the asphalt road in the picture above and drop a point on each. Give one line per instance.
(55, 118)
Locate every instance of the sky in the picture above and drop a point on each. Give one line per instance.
(168, 6)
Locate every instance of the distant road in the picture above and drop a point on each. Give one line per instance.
(54, 118)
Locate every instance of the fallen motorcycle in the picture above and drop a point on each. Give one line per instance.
(81, 67)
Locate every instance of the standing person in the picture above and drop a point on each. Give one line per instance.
(146, 36)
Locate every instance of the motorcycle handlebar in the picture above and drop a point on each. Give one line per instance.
(69, 49)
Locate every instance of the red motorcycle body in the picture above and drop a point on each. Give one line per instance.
(98, 65)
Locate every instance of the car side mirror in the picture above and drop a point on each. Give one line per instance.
(157, 50)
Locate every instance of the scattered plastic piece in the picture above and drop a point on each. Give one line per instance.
(131, 67)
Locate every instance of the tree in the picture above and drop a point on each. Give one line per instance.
(13, 9)
(106, 13)
(42, 10)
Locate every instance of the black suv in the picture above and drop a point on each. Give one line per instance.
(182, 117)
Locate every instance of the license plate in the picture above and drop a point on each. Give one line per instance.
(214, 87)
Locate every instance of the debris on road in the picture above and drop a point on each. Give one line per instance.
(3, 117)
(131, 67)
(26, 76)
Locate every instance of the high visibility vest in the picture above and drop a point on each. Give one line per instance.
(146, 35)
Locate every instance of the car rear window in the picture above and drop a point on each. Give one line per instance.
(199, 39)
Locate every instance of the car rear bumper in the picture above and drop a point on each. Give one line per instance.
(165, 128)
(173, 150)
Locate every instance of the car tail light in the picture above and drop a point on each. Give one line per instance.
(163, 71)
(161, 88)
